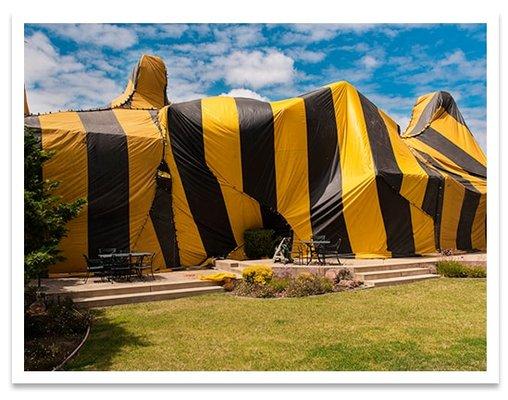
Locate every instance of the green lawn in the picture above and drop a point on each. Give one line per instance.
(432, 325)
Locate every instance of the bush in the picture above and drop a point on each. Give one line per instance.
(244, 288)
(307, 284)
(58, 319)
(52, 330)
(454, 269)
(257, 274)
(259, 243)
(279, 284)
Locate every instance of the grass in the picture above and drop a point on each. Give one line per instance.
(431, 325)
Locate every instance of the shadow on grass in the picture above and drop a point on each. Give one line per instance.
(108, 338)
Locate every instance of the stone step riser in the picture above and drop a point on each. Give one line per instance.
(143, 298)
(402, 281)
(112, 291)
(387, 267)
(391, 274)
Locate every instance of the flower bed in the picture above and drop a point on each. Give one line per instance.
(260, 281)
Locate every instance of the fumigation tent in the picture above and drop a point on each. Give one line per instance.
(185, 180)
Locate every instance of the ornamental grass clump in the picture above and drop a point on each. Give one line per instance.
(308, 284)
(454, 269)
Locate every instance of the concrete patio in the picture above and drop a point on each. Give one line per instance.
(97, 292)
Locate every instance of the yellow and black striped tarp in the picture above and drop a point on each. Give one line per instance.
(186, 180)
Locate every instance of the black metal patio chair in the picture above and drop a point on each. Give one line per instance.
(144, 263)
(110, 250)
(95, 266)
(326, 250)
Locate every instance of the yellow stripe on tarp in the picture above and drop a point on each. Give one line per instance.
(150, 84)
(459, 135)
(125, 96)
(452, 205)
(478, 231)
(190, 245)
(414, 178)
(291, 169)
(447, 164)
(414, 184)
(145, 148)
(423, 231)
(418, 108)
(362, 212)
(64, 134)
(221, 136)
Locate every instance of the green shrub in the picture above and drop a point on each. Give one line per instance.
(244, 288)
(259, 243)
(258, 274)
(476, 271)
(454, 269)
(307, 284)
(53, 328)
(280, 284)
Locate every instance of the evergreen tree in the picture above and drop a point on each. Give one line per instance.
(46, 215)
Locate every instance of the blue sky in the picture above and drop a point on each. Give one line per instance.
(69, 66)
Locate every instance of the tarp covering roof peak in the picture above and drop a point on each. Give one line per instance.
(146, 88)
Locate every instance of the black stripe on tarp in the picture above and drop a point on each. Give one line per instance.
(440, 99)
(108, 182)
(450, 106)
(161, 214)
(441, 144)
(325, 175)
(467, 214)
(468, 208)
(257, 150)
(201, 187)
(395, 209)
(433, 199)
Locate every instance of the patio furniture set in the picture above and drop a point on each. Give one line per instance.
(111, 265)
(304, 252)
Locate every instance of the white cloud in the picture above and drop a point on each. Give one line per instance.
(452, 68)
(172, 30)
(369, 62)
(56, 82)
(242, 92)
(199, 50)
(311, 33)
(256, 68)
(240, 35)
(42, 60)
(102, 35)
(307, 56)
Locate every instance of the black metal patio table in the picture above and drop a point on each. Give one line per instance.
(311, 248)
(128, 267)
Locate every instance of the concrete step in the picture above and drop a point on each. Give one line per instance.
(131, 298)
(108, 289)
(386, 267)
(391, 273)
(400, 280)
(228, 266)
